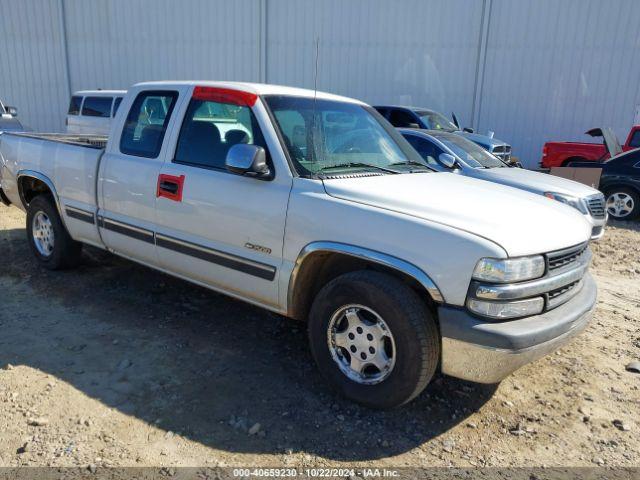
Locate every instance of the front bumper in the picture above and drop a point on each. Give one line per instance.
(483, 351)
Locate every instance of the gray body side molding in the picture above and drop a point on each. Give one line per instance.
(365, 254)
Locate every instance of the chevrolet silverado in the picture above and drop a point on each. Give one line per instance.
(313, 206)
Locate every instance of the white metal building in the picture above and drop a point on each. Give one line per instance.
(530, 70)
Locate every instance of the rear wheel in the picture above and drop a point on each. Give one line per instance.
(568, 161)
(49, 240)
(374, 339)
(623, 203)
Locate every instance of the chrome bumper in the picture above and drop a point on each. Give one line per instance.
(481, 351)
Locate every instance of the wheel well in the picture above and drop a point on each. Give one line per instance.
(31, 187)
(610, 188)
(319, 268)
(573, 159)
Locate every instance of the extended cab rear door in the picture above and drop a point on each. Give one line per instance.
(129, 172)
(218, 228)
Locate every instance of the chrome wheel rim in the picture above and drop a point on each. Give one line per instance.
(620, 204)
(361, 344)
(42, 232)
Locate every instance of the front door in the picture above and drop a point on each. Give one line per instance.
(128, 174)
(221, 229)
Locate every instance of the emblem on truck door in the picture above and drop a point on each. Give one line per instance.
(258, 248)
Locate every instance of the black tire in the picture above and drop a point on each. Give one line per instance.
(635, 198)
(414, 330)
(66, 251)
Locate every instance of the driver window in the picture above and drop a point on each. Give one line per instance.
(210, 129)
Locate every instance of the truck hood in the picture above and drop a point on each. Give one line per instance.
(482, 140)
(520, 222)
(534, 182)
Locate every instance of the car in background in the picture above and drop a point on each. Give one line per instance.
(91, 111)
(620, 183)
(448, 152)
(423, 118)
(560, 154)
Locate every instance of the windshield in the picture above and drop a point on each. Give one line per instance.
(472, 154)
(326, 136)
(437, 121)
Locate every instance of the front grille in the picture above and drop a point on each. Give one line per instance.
(562, 259)
(561, 295)
(503, 152)
(596, 206)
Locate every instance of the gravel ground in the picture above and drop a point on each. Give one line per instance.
(114, 364)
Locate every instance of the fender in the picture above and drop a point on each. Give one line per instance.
(365, 254)
(44, 179)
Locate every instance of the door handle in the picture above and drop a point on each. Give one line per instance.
(170, 186)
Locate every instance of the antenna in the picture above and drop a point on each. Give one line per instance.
(315, 94)
(315, 76)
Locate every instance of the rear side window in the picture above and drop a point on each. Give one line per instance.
(116, 104)
(74, 105)
(382, 111)
(401, 118)
(210, 129)
(97, 106)
(147, 123)
(635, 139)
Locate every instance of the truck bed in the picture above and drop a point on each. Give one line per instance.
(68, 163)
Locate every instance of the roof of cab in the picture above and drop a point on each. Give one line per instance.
(256, 88)
(99, 93)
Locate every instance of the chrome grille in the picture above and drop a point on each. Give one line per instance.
(596, 206)
(503, 152)
(562, 259)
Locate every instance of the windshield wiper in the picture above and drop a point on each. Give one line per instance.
(358, 164)
(411, 162)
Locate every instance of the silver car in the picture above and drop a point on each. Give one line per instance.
(448, 152)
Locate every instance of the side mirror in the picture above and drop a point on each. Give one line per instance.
(412, 125)
(13, 111)
(447, 160)
(249, 160)
(467, 129)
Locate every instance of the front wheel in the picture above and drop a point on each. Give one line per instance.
(623, 203)
(49, 240)
(374, 339)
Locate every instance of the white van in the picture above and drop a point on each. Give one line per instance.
(90, 111)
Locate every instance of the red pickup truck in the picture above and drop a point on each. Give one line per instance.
(559, 154)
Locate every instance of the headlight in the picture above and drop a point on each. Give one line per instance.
(509, 269)
(568, 200)
(505, 310)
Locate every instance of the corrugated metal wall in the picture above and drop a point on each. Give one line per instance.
(530, 70)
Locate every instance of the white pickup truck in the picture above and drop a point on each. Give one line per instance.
(313, 206)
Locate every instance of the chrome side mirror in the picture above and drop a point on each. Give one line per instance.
(249, 160)
(13, 111)
(447, 160)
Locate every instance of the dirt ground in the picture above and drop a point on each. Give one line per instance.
(114, 364)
